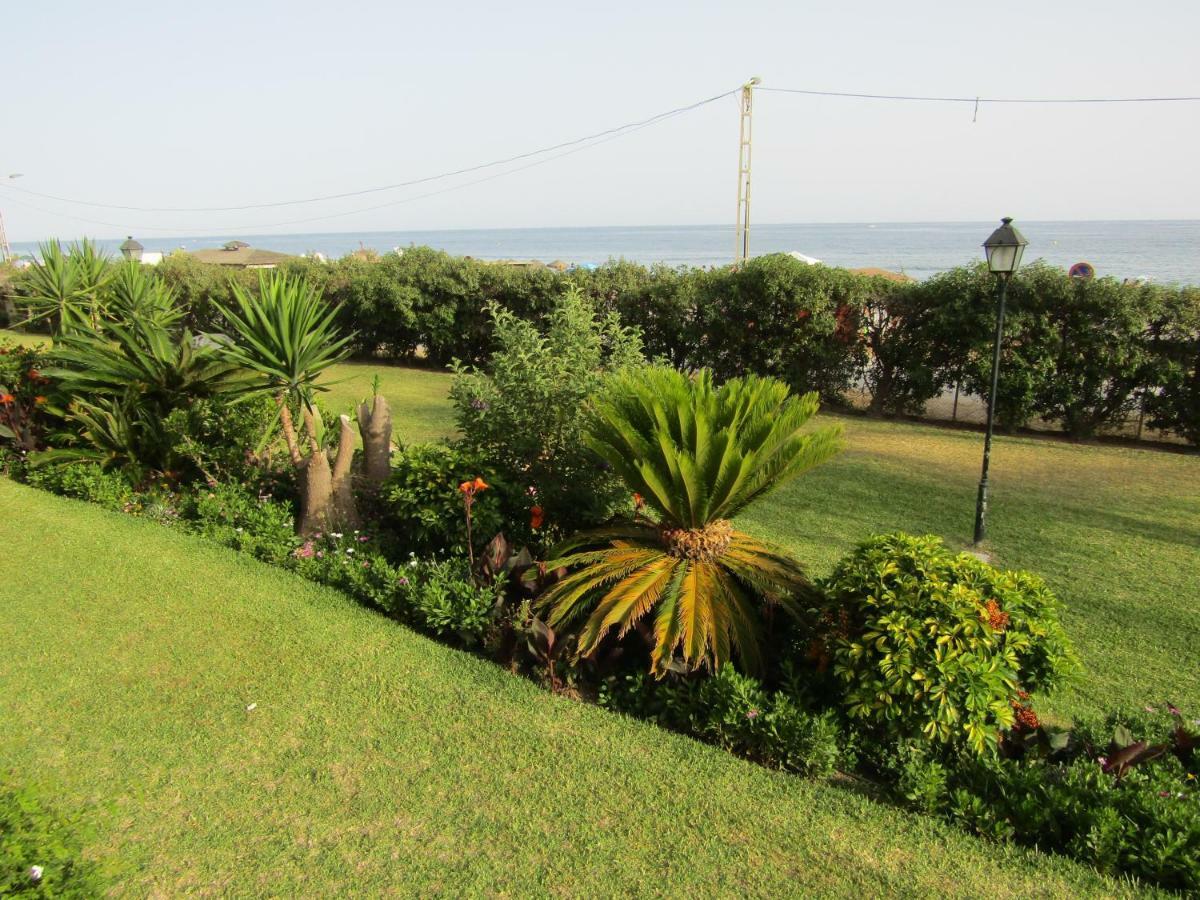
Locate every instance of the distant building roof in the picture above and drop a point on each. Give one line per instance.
(883, 273)
(241, 255)
(131, 245)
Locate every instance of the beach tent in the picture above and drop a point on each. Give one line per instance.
(810, 260)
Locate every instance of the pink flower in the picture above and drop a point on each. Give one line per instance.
(753, 714)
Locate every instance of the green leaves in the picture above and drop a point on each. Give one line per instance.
(286, 335)
(928, 643)
(697, 452)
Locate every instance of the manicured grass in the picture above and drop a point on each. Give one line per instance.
(1114, 530)
(419, 398)
(375, 761)
(23, 339)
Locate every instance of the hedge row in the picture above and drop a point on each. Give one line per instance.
(1085, 355)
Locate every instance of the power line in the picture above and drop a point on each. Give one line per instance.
(612, 134)
(859, 96)
(607, 133)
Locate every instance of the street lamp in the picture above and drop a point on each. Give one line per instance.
(1004, 250)
(131, 249)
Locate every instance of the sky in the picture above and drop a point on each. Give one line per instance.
(174, 104)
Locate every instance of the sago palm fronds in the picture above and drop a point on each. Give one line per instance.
(696, 455)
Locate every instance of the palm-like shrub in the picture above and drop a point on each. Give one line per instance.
(288, 338)
(695, 455)
(123, 380)
(68, 289)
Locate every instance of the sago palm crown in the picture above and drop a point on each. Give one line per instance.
(696, 455)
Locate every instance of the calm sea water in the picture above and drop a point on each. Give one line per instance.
(1166, 251)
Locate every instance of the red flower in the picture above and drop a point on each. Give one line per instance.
(537, 516)
(638, 500)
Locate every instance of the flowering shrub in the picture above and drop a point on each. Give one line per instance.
(24, 397)
(524, 416)
(440, 596)
(422, 503)
(242, 518)
(924, 643)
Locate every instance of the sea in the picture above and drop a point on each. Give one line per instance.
(1160, 251)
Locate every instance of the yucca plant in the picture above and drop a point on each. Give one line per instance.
(121, 383)
(694, 455)
(68, 288)
(287, 336)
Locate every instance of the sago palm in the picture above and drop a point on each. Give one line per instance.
(695, 455)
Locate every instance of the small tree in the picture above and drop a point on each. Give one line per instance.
(286, 335)
(524, 416)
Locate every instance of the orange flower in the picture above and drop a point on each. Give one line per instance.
(6, 399)
(994, 617)
(537, 516)
(39, 399)
(638, 500)
(471, 488)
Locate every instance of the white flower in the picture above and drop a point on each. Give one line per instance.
(336, 534)
(238, 530)
(35, 873)
(350, 550)
(413, 563)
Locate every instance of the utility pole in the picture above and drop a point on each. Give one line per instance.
(5, 247)
(742, 225)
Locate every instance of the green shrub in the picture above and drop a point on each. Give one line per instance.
(239, 517)
(39, 852)
(929, 644)
(219, 440)
(441, 597)
(84, 481)
(735, 712)
(524, 416)
(421, 502)
(26, 396)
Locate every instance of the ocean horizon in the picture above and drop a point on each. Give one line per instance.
(1163, 251)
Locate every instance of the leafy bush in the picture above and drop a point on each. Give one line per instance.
(735, 712)
(695, 455)
(928, 644)
(219, 440)
(421, 502)
(26, 396)
(39, 852)
(440, 596)
(239, 517)
(525, 416)
(1173, 399)
(84, 481)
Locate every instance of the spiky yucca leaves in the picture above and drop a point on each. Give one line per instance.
(123, 382)
(286, 334)
(698, 455)
(68, 288)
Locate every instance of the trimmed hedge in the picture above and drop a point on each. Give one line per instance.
(1086, 355)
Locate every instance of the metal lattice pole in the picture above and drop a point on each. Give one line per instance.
(5, 248)
(742, 227)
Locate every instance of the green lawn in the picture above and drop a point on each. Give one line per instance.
(375, 761)
(1116, 531)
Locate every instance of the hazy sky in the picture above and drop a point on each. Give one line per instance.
(225, 104)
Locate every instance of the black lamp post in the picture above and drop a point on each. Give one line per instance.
(131, 249)
(1004, 249)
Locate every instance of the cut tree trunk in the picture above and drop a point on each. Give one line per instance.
(375, 426)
